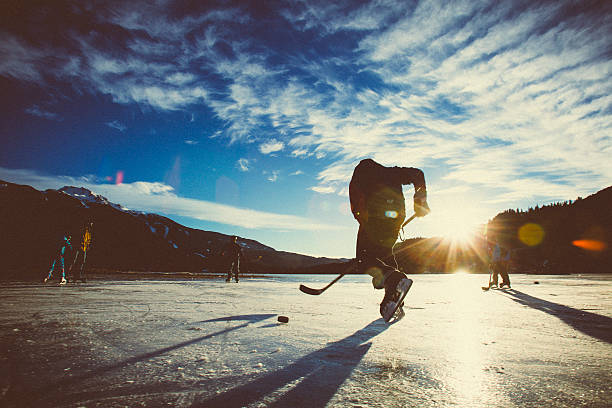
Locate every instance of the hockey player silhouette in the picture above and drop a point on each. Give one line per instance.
(377, 203)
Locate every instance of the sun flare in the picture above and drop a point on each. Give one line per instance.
(460, 232)
(456, 220)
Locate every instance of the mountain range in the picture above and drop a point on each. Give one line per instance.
(573, 237)
(34, 222)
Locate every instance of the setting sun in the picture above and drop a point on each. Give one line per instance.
(457, 220)
(459, 229)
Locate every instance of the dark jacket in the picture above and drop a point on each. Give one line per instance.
(232, 249)
(375, 191)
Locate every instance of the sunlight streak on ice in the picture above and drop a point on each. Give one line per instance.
(465, 371)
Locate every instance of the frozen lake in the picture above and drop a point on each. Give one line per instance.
(210, 343)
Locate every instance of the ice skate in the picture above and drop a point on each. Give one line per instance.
(396, 288)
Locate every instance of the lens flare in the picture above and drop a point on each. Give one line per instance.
(391, 214)
(531, 234)
(119, 177)
(590, 244)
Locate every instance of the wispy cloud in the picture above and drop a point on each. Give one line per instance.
(271, 176)
(115, 124)
(271, 146)
(36, 110)
(20, 60)
(160, 198)
(510, 97)
(324, 189)
(464, 84)
(244, 164)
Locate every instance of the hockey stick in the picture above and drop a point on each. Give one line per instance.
(485, 288)
(311, 291)
(73, 262)
(412, 217)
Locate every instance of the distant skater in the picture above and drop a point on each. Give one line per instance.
(378, 205)
(86, 240)
(505, 268)
(59, 260)
(499, 266)
(234, 251)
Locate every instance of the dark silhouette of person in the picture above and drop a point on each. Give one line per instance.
(499, 264)
(58, 261)
(86, 241)
(377, 203)
(233, 250)
(505, 267)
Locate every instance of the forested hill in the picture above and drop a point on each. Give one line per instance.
(574, 236)
(568, 237)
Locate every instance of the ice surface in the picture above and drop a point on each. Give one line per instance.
(210, 343)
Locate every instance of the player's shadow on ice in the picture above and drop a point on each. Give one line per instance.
(253, 318)
(53, 393)
(310, 381)
(592, 324)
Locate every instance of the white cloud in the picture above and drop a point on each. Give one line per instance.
(35, 110)
(244, 164)
(271, 146)
(518, 111)
(511, 99)
(427, 22)
(323, 189)
(331, 17)
(180, 78)
(299, 152)
(271, 176)
(115, 124)
(20, 60)
(160, 97)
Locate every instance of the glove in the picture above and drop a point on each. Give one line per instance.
(421, 208)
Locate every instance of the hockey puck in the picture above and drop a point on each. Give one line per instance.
(283, 319)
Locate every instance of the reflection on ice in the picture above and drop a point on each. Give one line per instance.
(465, 370)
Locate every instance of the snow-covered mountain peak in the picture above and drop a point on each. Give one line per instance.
(87, 196)
(84, 194)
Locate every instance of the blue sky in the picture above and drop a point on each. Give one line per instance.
(248, 117)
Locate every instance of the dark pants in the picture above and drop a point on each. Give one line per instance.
(81, 268)
(58, 261)
(499, 268)
(234, 268)
(375, 241)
